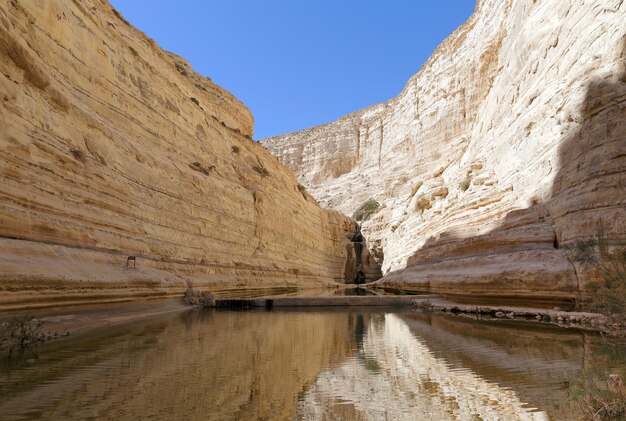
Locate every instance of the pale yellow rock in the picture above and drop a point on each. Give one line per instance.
(521, 111)
(112, 148)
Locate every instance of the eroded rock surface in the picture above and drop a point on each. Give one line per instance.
(112, 147)
(496, 160)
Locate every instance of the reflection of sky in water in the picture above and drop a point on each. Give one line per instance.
(394, 376)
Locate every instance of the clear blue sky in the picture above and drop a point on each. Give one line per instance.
(300, 63)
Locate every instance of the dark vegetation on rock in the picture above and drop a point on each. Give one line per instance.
(20, 333)
(608, 296)
(366, 210)
(600, 399)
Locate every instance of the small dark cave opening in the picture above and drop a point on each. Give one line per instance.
(368, 267)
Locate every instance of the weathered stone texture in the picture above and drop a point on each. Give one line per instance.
(113, 147)
(498, 157)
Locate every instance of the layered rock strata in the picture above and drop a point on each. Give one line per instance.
(498, 159)
(113, 148)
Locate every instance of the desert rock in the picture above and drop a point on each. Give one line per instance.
(501, 155)
(114, 149)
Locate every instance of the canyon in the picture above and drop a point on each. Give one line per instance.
(126, 175)
(129, 181)
(501, 157)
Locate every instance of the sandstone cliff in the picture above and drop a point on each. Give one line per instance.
(499, 157)
(112, 148)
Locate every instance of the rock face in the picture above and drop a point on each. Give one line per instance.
(497, 159)
(113, 148)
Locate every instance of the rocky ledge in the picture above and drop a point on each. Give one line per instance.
(555, 316)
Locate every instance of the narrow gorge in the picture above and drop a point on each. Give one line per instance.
(498, 159)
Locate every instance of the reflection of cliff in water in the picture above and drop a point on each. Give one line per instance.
(198, 366)
(416, 366)
(536, 361)
(308, 364)
(401, 379)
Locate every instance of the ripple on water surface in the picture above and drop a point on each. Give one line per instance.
(309, 365)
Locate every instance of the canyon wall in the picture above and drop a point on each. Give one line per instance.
(112, 147)
(497, 160)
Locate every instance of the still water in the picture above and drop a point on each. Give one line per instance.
(306, 365)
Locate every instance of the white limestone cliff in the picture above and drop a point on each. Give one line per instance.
(503, 153)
